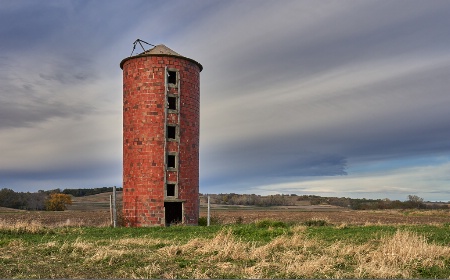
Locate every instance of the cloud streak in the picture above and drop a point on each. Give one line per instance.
(398, 183)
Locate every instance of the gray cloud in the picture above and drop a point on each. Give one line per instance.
(288, 91)
(29, 97)
(321, 90)
(342, 35)
(27, 23)
(70, 70)
(85, 175)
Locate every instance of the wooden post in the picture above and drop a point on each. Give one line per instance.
(111, 210)
(114, 207)
(209, 212)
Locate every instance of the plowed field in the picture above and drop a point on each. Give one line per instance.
(229, 216)
(333, 216)
(94, 211)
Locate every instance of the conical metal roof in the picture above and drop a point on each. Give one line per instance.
(160, 50)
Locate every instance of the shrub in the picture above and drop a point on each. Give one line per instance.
(315, 223)
(270, 223)
(239, 220)
(58, 202)
(203, 221)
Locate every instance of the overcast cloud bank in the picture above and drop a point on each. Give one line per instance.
(343, 98)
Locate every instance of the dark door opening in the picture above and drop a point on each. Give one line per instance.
(173, 212)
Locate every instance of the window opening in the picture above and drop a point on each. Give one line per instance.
(171, 161)
(172, 102)
(170, 190)
(171, 132)
(172, 77)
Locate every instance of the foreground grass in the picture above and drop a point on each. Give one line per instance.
(264, 249)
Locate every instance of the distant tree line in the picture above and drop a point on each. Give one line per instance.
(86, 192)
(413, 201)
(43, 200)
(251, 199)
(22, 200)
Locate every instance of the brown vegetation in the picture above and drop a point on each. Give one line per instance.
(58, 202)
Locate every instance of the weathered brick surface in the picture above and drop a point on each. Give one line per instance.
(144, 104)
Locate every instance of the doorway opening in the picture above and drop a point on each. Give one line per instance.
(173, 212)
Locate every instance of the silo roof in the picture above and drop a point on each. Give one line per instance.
(160, 50)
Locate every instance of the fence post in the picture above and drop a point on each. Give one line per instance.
(114, 207)
(111, 210)
(209, 212)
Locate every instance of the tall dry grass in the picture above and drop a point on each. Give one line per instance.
(400, 255)
(36, 226)
(20, 226)
(397, 256)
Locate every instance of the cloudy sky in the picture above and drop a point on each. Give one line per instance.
(331, 98)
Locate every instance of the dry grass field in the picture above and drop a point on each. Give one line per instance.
(264, 249)
(246, 242)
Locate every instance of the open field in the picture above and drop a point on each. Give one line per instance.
(94, 211)
(101, 217)
(232, 216)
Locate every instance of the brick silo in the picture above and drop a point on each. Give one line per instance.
(161, 118)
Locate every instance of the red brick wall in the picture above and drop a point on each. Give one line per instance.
(144, 104)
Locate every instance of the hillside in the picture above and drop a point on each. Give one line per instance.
(93, 202)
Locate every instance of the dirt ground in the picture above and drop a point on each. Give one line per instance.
(101, 217)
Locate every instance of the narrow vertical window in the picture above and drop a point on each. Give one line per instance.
(171, 161)
(171, 132)
(170, 190)
(172, 103)
(172, 77)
